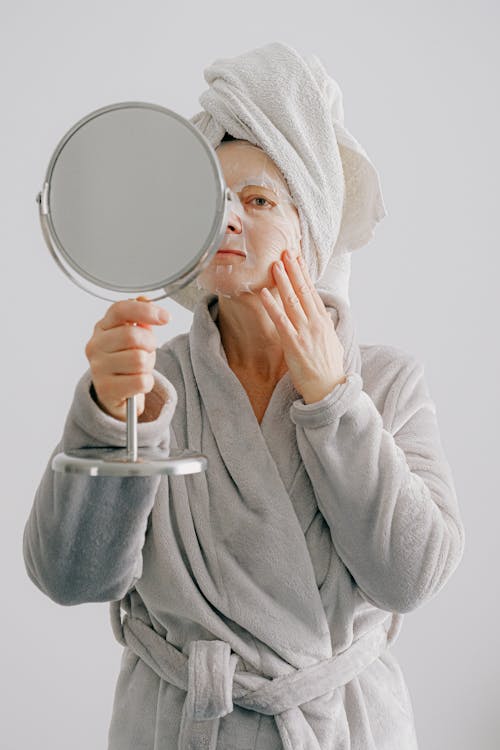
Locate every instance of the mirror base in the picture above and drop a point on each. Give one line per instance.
(117, 462)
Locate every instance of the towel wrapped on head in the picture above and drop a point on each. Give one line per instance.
(290, 107)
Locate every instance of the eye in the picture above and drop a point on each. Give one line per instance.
(260, 198)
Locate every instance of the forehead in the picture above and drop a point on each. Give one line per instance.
(241, 160)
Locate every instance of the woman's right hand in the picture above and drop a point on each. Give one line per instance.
(122, 355)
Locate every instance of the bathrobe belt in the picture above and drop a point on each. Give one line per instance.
(212, 682)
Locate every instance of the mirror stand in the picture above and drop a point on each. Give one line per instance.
(117, 181)
(129, 461)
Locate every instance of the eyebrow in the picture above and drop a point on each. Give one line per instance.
(259, 187)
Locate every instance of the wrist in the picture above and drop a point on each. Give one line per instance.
(318, 394)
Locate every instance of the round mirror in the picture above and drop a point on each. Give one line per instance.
(134, 200)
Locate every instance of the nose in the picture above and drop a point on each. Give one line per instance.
(233, 223)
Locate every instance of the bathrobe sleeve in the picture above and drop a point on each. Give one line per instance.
(83, 538)
(387, 494)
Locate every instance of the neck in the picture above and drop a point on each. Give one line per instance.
(249, 337)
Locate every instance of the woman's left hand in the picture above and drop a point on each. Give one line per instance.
(311, 347)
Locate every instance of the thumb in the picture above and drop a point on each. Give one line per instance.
(141, 298)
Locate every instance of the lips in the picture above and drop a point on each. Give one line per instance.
(230, 251)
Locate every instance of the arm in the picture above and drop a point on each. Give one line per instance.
(84, 535)
(388, 497)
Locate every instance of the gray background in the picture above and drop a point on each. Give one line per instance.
(420, 88)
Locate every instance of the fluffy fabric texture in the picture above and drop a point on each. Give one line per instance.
(290, 107)
(261, 596)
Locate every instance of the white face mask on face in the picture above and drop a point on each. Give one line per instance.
(262, 222)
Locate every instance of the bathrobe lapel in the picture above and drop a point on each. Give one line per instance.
(263, 544)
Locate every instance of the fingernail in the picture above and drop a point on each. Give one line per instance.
(163, 315)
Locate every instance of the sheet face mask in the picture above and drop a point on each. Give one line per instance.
(261, 223)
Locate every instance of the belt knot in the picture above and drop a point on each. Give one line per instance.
(211, 669)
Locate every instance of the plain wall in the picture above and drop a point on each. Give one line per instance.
(420, 85)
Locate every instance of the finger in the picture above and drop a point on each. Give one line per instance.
(301, 286)
(125, 337)
(117, 388)
(289, 298)
(141, 298)
(130, 362)
(133, 311)
(320, 305)
(279, 317)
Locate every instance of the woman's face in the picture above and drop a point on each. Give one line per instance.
(262, 222)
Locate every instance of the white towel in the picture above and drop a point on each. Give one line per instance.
(290, 107)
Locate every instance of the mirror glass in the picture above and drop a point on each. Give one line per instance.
(135, 197)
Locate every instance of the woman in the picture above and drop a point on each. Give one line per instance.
(261, 596)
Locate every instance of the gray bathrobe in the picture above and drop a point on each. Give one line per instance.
(259, 598)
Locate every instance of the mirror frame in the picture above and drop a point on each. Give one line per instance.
(165, 286)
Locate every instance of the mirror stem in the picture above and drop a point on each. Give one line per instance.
(131, 429)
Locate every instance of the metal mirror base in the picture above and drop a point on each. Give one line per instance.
(116, 462)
